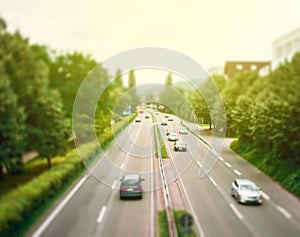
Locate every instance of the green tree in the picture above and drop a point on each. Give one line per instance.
(131, 91)
(238, 85)
(51, 131)
(169, 81)
(67, 71)
(12, 128)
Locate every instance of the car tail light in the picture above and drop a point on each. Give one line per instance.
(137, 189)
(123, 189)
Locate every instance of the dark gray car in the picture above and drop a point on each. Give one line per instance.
(131, 186)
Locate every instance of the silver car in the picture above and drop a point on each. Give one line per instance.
(246, 191)
(172, 137)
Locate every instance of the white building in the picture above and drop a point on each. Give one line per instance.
(285, 47)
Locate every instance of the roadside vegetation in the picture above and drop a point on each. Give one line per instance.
(263, 113)
(38, 87)
(163, 229)
(163, 150)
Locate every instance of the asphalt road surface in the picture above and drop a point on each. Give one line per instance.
(92, 207)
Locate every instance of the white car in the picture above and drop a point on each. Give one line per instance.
(246, 191)
(138, 119)
(183, 130)
(172, 136)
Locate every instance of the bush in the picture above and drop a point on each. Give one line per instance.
(18, 205)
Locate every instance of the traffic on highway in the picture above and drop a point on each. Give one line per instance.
(122, 193)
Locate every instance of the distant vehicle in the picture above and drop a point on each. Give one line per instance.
(246, 191)
(138, 119)
(170, 130)
(131, 186)
(156, 113)
(164, 122)
(180, 146)
(170, 118)
(147, 116)
(183, 130)
(172, 137)
(166, 116)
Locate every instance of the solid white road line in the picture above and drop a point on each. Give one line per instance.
(52, 216)
(114, 184)
(212, 180)
(284, 212)
(101, 214)
(229, 165)
(265, 196)
(237, 172)
(239, 215)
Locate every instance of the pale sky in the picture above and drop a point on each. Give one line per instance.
(208, 31)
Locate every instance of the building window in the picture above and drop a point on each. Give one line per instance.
(253, 67)
(239, 67)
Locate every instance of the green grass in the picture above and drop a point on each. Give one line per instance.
(163, 224)
(163, 230)
(284, 172)
(163, 150)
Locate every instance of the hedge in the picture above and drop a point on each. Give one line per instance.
(18, 205)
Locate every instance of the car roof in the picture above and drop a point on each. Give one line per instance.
(131, 177)
(244, 181)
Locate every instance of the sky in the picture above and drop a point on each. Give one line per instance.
(208, 31)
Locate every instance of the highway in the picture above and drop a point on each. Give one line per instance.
(93, 208)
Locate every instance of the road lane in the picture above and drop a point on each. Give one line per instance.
(133, 217)
(265, 220)
(96, 200)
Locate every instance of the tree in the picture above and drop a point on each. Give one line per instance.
(118, 79)
(169, 81)
(12, 128)
(51, 131)
(131, 91)
(67, 71)
(238, 85)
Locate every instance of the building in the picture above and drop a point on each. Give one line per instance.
(232, 67)
(285, 47)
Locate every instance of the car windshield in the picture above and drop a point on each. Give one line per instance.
(249, 187)
(130, 183)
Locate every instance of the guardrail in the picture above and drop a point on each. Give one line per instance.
(168, 203)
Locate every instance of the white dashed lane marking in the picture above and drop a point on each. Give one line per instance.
(227, 164)
(237, 172)
(284, 212)
(101, 214)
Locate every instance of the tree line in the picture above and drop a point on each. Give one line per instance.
(38, 86)
(262, 111)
